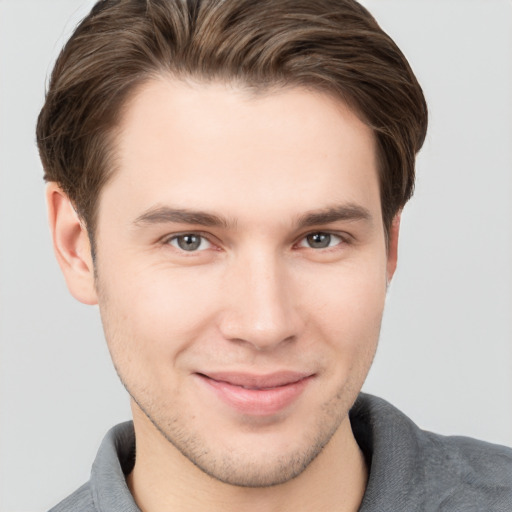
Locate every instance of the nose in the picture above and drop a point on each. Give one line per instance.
(261, 303)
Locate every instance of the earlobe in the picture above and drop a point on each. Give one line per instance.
(393, 246)
(71, 245)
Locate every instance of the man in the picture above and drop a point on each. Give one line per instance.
(225, 181)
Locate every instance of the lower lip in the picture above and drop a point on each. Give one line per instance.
(257, 402)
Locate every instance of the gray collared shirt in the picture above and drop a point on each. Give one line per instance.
(410, 469)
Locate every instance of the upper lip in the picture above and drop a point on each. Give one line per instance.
(269, 380)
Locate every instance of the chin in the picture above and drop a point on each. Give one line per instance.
(256, 470)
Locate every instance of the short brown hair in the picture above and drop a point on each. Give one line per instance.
(334, 46)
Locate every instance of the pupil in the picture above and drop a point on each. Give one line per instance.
(189, 242)
(319, 240)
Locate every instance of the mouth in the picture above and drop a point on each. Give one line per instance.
(257, 395)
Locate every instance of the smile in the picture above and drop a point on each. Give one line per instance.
(257, 395)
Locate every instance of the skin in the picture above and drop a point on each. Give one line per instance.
(256, 296)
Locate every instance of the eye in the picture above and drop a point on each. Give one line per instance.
(320, 240)
(189, 242)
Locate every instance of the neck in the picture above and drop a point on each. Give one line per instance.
(163, 479)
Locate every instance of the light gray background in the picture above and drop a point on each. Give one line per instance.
(445, 356)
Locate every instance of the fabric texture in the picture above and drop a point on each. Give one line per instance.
(410, 469)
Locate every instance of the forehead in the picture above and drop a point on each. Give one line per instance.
(225, 148)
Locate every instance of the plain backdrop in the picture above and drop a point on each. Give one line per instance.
(445, 355)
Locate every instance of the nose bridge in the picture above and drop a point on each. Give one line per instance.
(261, 309)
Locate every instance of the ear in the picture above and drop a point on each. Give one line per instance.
(393, 246)
(71, 245)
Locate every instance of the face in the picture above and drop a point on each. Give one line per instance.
(241, 272)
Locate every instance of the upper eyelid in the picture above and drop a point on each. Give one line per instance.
(342, 241)
(346, 237)
(166, 242)
(202, 234)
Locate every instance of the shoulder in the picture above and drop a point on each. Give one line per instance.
(80, 501)
(467, 471)
(413, 469)
(107, 489)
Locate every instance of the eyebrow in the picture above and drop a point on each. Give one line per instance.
(165, 214)
(348, 212)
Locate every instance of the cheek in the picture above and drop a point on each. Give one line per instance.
(154, 314)
(348, 308)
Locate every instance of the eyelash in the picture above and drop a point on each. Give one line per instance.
(175, 238)
(342, 240)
